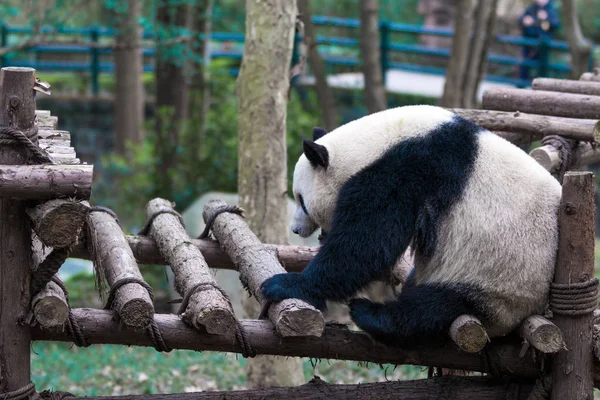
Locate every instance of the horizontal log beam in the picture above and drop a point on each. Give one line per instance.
(336, 342)
(542, 102)
(543, 125)
(566, 86)
(40, 182)
(446, 387)
(145, 251)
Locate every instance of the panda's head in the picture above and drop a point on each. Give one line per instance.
(314, 196)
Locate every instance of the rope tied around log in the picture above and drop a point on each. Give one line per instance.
(12, 136)
(211, 218)
(153, 331)
(146, 228)
(26, 392)
(47, 269)
(574, 298)
(240, 333)
(565, 149)
(105, 210)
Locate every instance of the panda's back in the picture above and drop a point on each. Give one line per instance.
(500, 238)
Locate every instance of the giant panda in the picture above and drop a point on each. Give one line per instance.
(479, 213)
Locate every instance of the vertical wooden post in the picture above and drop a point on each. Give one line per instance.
(572, 369)
(17, 109)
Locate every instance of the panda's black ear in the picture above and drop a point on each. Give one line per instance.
(316, 154)
(318, 133)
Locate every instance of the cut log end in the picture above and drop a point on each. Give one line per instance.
(50, 308)
(546, 156)
(58, 223)
(137, 312)
(543, 335)
(468, 333)
(216, 321)
(292, 318)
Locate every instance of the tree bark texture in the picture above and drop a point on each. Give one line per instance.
(172, 96)
(145, 251)
(257, 263)
(207, 308)
(262, 88)
(458, 62)
(541, 125)
(337, 342)
(445, 387)
(579, 47)
(44, 182)
(375, 96)
(324, 91)
(129, 89)
(542, 102)
(114, 261)
(17, 110)
(572, 369)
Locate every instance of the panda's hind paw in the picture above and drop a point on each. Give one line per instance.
(290, 285)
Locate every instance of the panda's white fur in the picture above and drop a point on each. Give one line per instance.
(499, 237)
(508, 216)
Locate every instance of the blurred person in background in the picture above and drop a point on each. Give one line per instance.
(539, 20)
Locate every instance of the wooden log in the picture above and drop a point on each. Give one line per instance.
(57, 149)
(42, 182)
(257, 263)
(596, 342)
(336, 342)
(542, 102)
(566, 86)
(50, 307)
(17, 110)
(47, 122)
(542, 334)
(207, 308)
(549, 157)
(468, 333)
(114, 260)
(445, 387)
(579, 129)
(519, 138)
(58, 223)
(293, 258)
(572, 369)
(54, 135)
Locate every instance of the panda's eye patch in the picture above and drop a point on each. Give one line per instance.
(301, 199)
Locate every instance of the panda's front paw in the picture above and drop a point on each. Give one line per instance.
(290, 285)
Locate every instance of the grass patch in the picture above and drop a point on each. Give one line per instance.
(119, 370)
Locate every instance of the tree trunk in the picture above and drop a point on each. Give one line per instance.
(324, 92)
(199, 103)
(483, 38)
(172, 95)
(457, 65)
(262, 87)
(129, 89)
(579, 47)
(375, 97)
